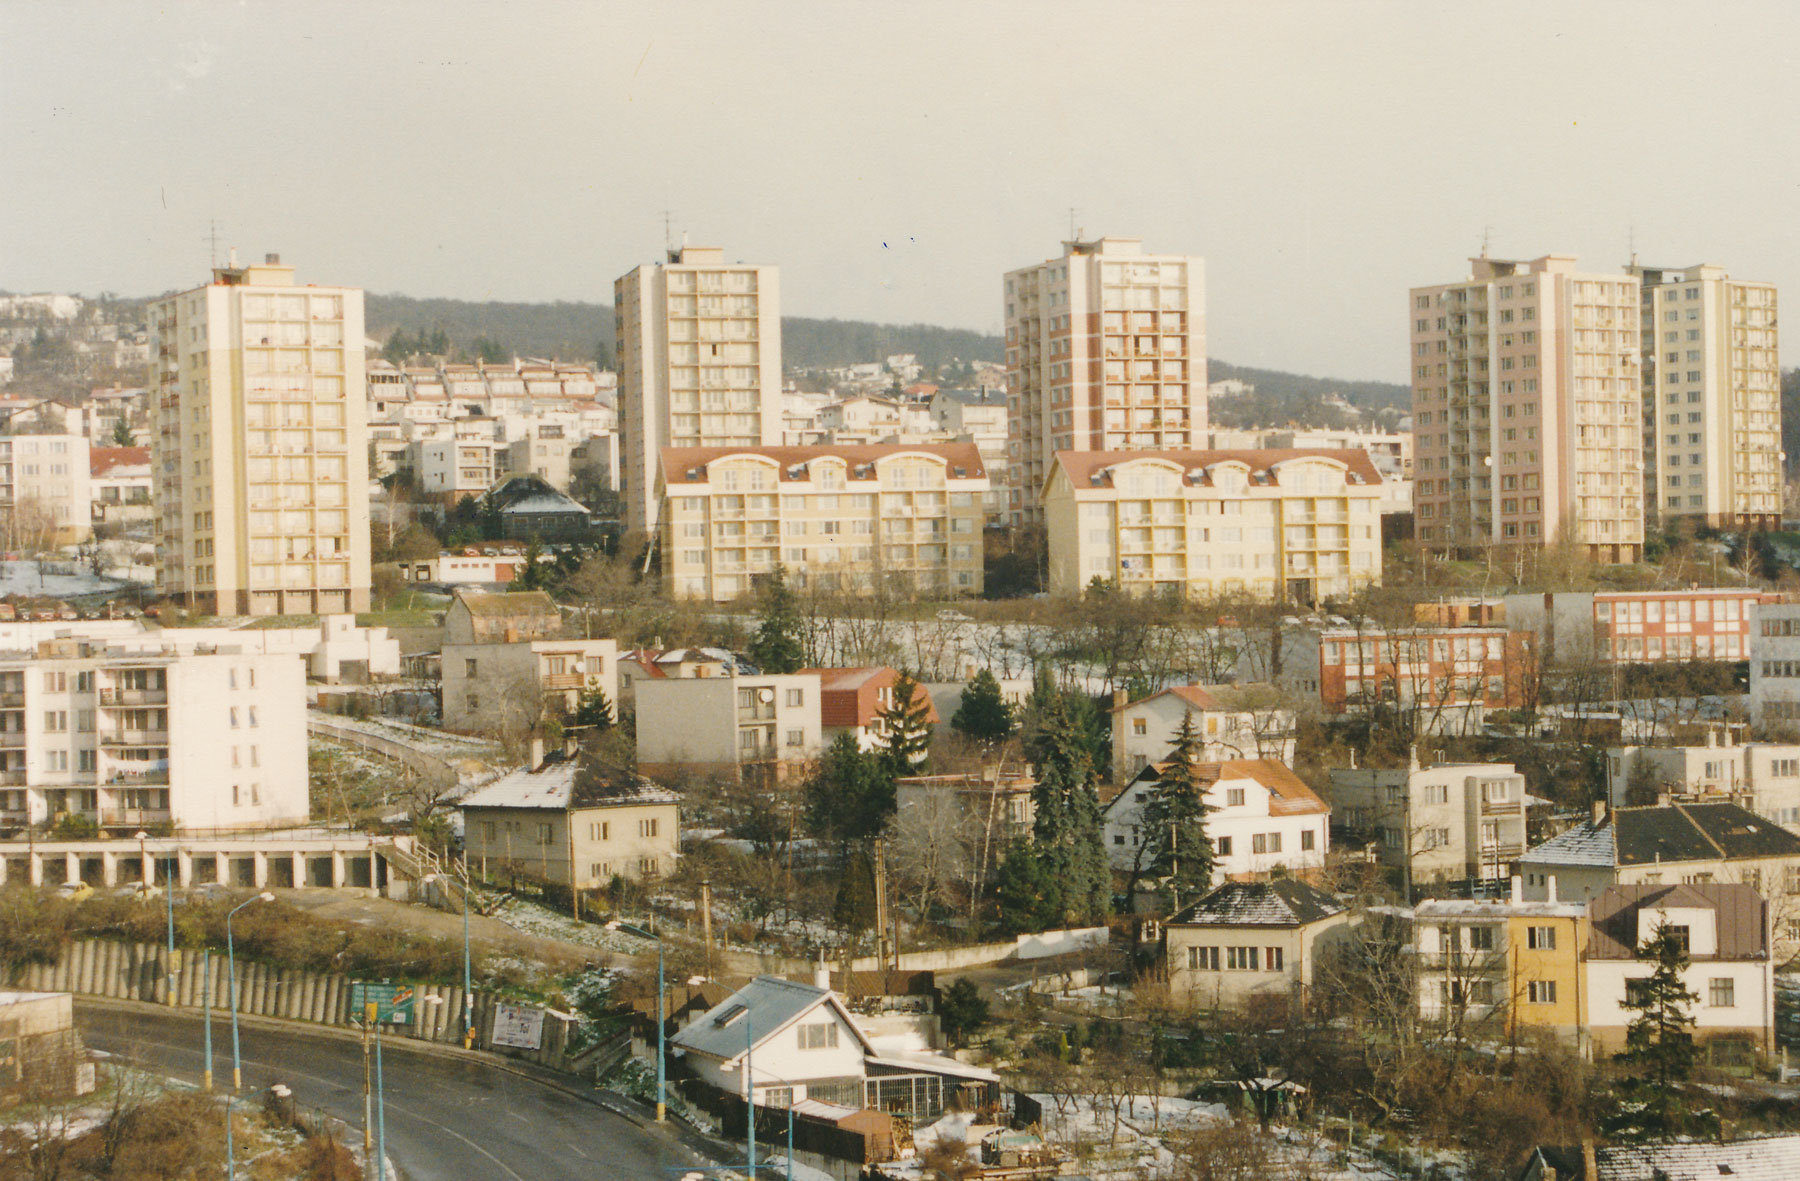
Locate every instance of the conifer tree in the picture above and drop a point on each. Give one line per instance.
(1657, 1038)
(984, 714)
(778, 646)
(1174, 820)
(905, 725)
(851, 795)
(1066, 830)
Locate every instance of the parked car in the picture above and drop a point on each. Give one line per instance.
(75, 891)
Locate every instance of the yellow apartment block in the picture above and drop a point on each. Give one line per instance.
(1297, 525)
(845, 518)
(1501, 966)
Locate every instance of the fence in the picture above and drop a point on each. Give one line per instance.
(137, 972)
(434, 772)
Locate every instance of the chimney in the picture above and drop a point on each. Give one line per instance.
(1599, 812)
(537, 753)
(821, 973)
(1518, 889)
(231, 258)
(272, 260)
(1551, 888)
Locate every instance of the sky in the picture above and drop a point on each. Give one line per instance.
(895, 159)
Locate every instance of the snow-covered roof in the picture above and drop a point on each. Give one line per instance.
(1772, 1158)
(766, 1006)
(552, 786)
(1586, 844)
(1284, 902)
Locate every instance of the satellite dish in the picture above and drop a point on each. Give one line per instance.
(765, 695)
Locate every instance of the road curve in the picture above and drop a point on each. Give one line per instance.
(448, 1118)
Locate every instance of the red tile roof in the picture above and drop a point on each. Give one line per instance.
(102, 460)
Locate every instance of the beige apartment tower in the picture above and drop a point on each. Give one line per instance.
(1712, 399)
(1105, 351)
(260, 458)
(699, 355)
(1527, 412)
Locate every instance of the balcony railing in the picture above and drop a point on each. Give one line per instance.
(115, 696)
(12, 739)
(12, 699)
(134, 738)
(563, 680)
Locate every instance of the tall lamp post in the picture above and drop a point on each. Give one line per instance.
(662, 1011)
(237, 1066)
(468, 1014)
(789, 1083)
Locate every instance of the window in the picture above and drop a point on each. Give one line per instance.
(544, 834)
(1308, 840)
(795, 699)
(1541, 938)
(1241, 959)
(1265, 842)
(1637, 992)
(1140, 726)
(822, 1035)
(56, 720)
(1679, 935)
(796, 737)
(1234, 797)
(469, 667)
(1203, 959)
(1721, 993)
(600, 830)
(1224, 844)
(1541, 992)
(1272, 958)
(647, 828)
(1481, 938)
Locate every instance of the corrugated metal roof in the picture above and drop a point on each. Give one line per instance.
(1742, 920)
(770, 1004)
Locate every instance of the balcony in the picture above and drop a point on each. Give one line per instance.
(563, 680)
(12, 699)
(12, 739)
(115, 696)
(132, 738)
(12, 778)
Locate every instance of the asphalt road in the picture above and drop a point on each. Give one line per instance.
(448, 1119)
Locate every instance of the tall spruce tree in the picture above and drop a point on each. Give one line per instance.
(1066, 830)
(905, 725)
(850, 796)
(984, 714)
(779, 644)
(1174, 820)
(1657, 1039)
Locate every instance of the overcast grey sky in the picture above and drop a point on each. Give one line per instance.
(895, 159)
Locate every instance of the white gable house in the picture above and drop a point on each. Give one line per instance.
(1262, 818)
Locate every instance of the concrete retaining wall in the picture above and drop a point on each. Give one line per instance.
(940, 959)
(137, 972)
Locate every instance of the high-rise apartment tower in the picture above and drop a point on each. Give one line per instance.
(1105, 351)
(699, 356)
(1712, 398)
(261, 462)
(1527, 413)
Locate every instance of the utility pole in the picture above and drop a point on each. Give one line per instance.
(880, 902)
(369, 1011)
(706, 921)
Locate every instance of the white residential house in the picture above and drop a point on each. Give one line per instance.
(1233, 721)
(562, 820)
(727, 725)
(1262, 818)
(783, 1042)
(1250, 943)
(1450, 822)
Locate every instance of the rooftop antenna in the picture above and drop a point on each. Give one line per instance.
(1631, 243)
(1072, 236)
(668, 234)
(1486, 233)
(212, 238)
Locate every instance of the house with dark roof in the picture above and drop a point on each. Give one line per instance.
(1247, 721)
(1251, 943)
(1731, 968)
(1262, 819)
(572, 819)
(1670, 845)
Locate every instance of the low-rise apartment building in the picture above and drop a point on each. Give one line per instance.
(44, 495)
(119, 487)
(766, 726)
(1762, 776)
(1262, 818)
(203, 741)
(447, 470)
(1639, 627)
(500, 687)
(1487, 965)
(1233, 722)
(846, 518)
(1251, 944)
(1296, 526)
(568, 821)
(1731, 963)
(1449, 676)
(1452, 822)
(853, 700)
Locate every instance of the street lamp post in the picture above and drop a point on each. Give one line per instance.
(206, 1000)
(237, 1066)
(468, 991)
(789, 1083)
(662, 1012)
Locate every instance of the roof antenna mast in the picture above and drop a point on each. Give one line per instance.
(212, 238)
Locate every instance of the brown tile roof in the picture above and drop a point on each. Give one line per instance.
(102, 460)
(677, 462)
(1092, 469)
(1742, 917)
(510, 603)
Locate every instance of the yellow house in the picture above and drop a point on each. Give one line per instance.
(1501, 966)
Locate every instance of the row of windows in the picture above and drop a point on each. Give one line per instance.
(1236, 959)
